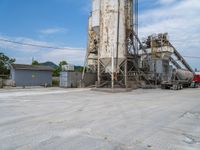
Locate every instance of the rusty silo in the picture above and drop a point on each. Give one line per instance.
(112, 24)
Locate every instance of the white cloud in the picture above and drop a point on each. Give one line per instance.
(26, 53)
(180, 20)
(21, 48)
(53, 30)
(76, 56)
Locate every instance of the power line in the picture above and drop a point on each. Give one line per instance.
(39, 46)
(61, 48)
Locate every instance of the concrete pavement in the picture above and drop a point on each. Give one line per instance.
(81, 119)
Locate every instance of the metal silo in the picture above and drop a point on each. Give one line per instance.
(93, 37)
(113, 34)
(92, 51)
(95, 15)
(112, 22)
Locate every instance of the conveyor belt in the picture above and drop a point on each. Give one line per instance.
(181, 59)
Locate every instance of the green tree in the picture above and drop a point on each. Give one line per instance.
(5, 61)
(35, 63)
(57, 71)
(62, 63)
(79, 68)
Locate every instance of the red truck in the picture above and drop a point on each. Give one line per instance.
(196, 79)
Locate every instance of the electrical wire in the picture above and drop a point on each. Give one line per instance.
(61, 48)
(39, 46)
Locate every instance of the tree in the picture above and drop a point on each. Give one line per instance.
(79, 68)
(35, 63)
(5, 61)
(57, 71)
(62, 63)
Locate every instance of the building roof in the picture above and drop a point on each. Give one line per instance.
(31, 67)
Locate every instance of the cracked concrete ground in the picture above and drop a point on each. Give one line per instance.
(80, 119)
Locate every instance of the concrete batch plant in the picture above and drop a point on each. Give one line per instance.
(118, 58)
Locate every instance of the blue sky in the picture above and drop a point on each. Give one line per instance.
(46, 22)
(63, 23)
(28, 18)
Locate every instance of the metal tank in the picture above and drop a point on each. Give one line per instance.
(95, 20)
(110, 39)
(112, 34)
(184, 74)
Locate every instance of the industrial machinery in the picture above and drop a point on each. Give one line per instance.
(155, 63)
(112, 47)
(164, 70)
(180, 79)
(118, 58)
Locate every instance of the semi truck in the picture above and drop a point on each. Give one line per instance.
(180, 79)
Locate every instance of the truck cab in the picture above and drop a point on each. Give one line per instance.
(196, 80)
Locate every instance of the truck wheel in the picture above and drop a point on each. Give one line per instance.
(180, 87)
(175, 87)
(163, 86)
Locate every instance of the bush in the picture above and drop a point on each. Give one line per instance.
(55, 83)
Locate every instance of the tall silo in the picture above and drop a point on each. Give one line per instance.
(96, 15)
(112, 34)
(91, 52)
(115, 21)
(112, 22)
(93, 37)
